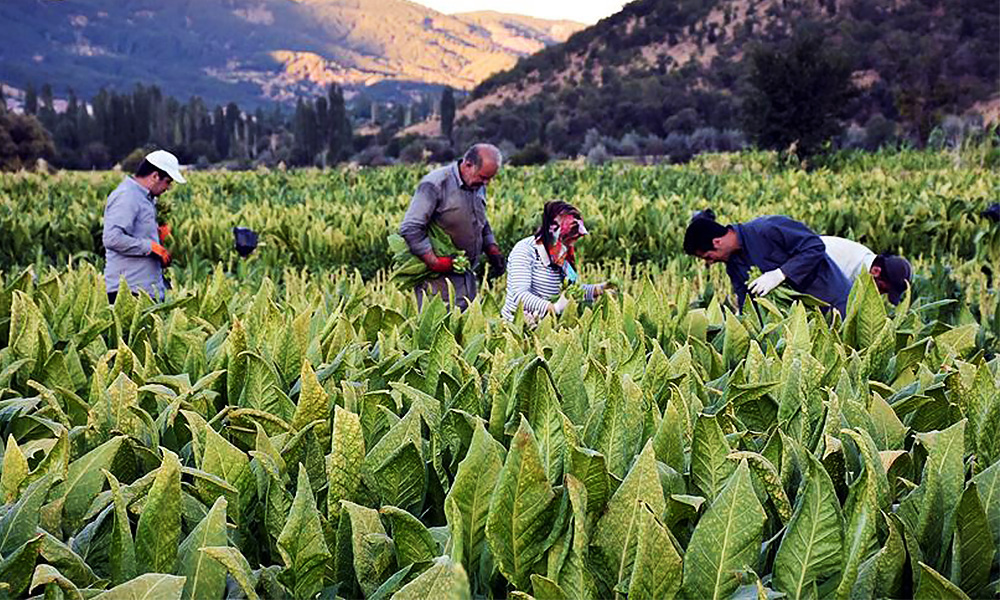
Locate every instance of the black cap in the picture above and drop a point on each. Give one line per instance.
(896, 271)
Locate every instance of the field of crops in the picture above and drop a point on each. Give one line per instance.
(291, 426)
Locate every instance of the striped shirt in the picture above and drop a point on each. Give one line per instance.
(531, 280)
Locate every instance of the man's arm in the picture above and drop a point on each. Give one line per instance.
(738, 273)
(118, 217)
(804, 248)
(418, 217)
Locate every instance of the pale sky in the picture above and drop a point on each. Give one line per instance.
(584, 11)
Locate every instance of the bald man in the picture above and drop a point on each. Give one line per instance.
(454, 197)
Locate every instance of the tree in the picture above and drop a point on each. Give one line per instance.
(23, 141)
(339, 132)
(31, 100)
(220, 132)
(798, 91)
(3, 100)
(447, 112)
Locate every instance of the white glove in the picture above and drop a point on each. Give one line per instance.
(560, 304)
(763, 285)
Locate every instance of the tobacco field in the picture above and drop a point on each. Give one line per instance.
(290, 426)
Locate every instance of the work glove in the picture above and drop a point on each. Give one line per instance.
(438, 264)
(763, 285)
(162, 252)
(163, 231)
(498, 262)
(560, 305)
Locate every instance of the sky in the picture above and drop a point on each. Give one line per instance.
(583, 11)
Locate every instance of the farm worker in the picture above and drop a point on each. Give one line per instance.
(131, 235)
(540, 264)
(782, 248)
(892, 274)
(454, 197)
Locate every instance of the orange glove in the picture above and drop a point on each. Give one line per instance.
(162, 253)
(164, 231)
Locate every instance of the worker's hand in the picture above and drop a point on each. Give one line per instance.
(160, 251)
(560, 305)
(164, 232)
(438, 264)
(763, 285)
(498, 262)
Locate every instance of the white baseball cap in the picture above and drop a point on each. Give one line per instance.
(165, 161)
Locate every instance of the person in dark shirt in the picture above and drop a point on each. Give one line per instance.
(784, 249)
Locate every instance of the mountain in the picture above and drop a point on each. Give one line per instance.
(259, 50)
(674, 67)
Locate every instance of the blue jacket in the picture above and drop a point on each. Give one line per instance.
(777, 241)
(129, 233)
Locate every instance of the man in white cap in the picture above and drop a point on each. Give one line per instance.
(132, 243)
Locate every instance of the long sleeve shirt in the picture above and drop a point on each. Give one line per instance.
(442, 198)
(778, 242)
(129, 233)
(532, 281)
(850, 257)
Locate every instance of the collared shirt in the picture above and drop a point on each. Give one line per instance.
(531, 280)
(777, 241)
(129, 233)
(850, 257)
(442, 198)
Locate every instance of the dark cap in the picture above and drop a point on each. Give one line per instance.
(896, 271)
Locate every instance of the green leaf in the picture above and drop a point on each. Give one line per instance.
(148, 586)
(237, 566)
(575, 577)
(725, 541)
(472, 492)
(412, 540)
(973, 550)
(371, 548)
(617, 434)
(736, 341)
(669, 439)
(401, 480)
(811, 548)
(301, 543)
(942, 483)
(656, 573)
(988, 486)
(14, 471)
(589, 468)
(16, 568)
(122, 552)
(159, 527)
(47, 574)
(314, 403)
(84, 481)
(710, 469)
(535, 392)
(206, 578)
(616, 535)
(445, 580)
(344, 463)
(933, 586)
(19, 523)
(521, 510)
(860, 527)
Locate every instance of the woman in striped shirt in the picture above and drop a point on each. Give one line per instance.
(538, 264)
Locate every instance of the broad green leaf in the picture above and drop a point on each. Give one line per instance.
(84, 481)
(314, 404)
(736, 341)
(616, 535)
(148, 586)
(47, 574)
(656, 573)
(942, 485)
(371, 548)
(546, 589)
(237, 566)
(710, 469)
(14, 471)
(401, 479)
(669, 439)
(535, 395)
(122, 559)
(444, 580)
(767, 475)
(589, 468)
(725, 541)
(973, 550)
(861, 514)
(618, 433)
(988, 486)
(472, 493)
(520, 513)
(574, 577)
(933, 586)
(206, 578)
(17, 567)
(159, 527)
(810, 550)
(301, 543)
(343, 465)
(410, 537)
(18, 524)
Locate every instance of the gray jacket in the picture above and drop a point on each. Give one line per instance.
(129, 233)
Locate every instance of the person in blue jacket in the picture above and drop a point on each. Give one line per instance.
(784, 249)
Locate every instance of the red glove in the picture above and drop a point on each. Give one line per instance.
(162, 253)
(164, 231)
(438, 264)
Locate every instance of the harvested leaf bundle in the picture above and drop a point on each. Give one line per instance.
(409, 271)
